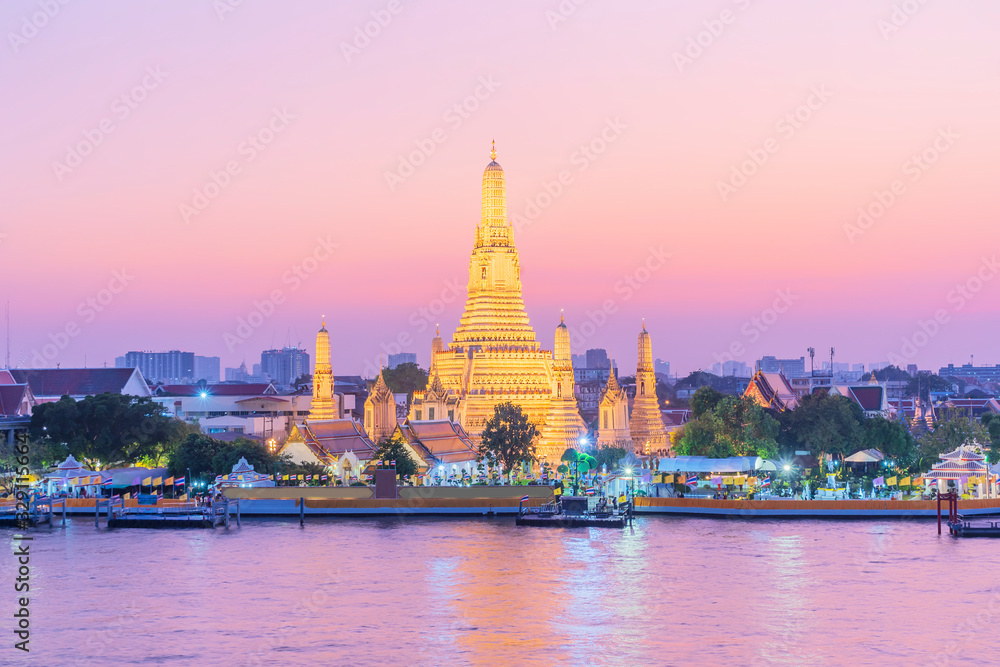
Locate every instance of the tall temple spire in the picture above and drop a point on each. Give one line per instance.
(322, 402)
(647, 429)
(493, 152)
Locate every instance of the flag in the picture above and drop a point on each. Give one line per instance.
(524, 499)
(590, 492)
(284, 477)
(692, 480)
(147, 482)
(169, 481)
(918, 481)
(218, 478)
(180, 481)
(716, 480)
(294, 477)
(905, 482)
(184, 496)
(115, 498)
(878, 481)
(106, 482)
(392, 464)
(158, 481)
(766, 482)
(891, 481)
(309, 478)
(727, 480)
(322, 478)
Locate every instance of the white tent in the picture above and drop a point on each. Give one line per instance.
(705, 464)
(865, 456)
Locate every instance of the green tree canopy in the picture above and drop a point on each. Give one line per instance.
(405, 378)
(508, 437)
(891, 374)
(394, 448)
(822, 423)
(704, 401)
(953, 429)
(608, 456)
(106, 430)
(892, 439)
(924, 382)
(736, 426)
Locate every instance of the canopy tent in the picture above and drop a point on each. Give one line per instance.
(768, 466)
(705, 464)
(865, 456)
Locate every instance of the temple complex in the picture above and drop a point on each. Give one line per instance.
(612, 416)
(493, 356)
(648, 433)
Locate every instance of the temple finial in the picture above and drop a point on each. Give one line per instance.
(437, 329)
(562, 316)
(644, 324)
(493, 152)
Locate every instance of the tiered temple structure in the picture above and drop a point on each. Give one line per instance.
(493, 356)
(564, 425)
(380, 411)
(612, 416)
(323, 401)
(648, 433)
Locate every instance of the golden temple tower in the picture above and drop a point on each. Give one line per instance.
(493, 356)
(564, 425)
(380, 411)
(612, 415)
(322, 401)
(648, 432)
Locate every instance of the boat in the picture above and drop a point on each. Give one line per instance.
(171, 516)
(572, 512)
(968, 528)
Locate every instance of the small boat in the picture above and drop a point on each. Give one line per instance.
(571, 512)
(968, 528)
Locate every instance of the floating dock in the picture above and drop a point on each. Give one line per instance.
(966, 528)
(805, 509)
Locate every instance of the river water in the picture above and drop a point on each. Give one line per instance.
(433, 591)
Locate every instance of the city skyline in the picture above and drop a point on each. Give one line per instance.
(225, 176)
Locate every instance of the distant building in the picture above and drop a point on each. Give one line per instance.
(207, 369)
(661, 367)
(173, 366)
(402, 358)
(597, 367)
(910, 368)
(967, 371)
(598, 358)
(579, 360)
(284, 366)
(788, 367)
(241, 374)
(730, 369)
(51, 384)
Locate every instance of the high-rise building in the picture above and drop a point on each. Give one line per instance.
(598, 358)
(402, 358)
(980, 373)
(284, 366)
(788, 367)
(207, 368)
(493, 356)
(661, 367)
(173, 367)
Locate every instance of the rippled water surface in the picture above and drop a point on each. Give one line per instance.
(426, 591)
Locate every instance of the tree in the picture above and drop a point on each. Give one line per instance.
(394, 448)
(736, 426)
(609, 456)
(508, 437)
(891, 374)
(954, 429)
(924, 382)
(891, 438)
(992, 424)
(405, 378)
(106, 430)
(828, 424)
(704, 400)
(229, 454)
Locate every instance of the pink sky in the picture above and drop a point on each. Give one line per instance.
(676, 132)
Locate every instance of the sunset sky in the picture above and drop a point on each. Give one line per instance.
(118, 114)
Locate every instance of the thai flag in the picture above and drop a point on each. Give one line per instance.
(322, 478)
(765, 482)
(309, 478)
(115, 498)
(692, 480)
(180, 481)
(525, 499)
(106, 482)
(589, 492)
(218, 478)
